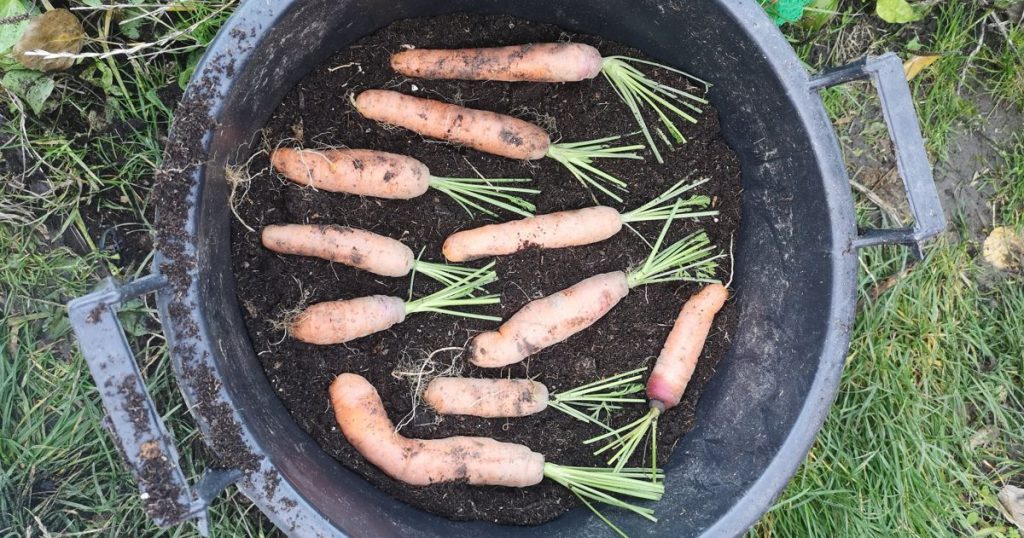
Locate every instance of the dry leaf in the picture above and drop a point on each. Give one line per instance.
(1012, 500)
(916, 64)
(1004, 249)
(56, 31)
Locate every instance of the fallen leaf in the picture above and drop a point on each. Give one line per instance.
(983, 437)
(916, 64)
(897, 11)
(56, 31)
(33, 87)
(15, 14)
(1004, 249)
(1012, 500)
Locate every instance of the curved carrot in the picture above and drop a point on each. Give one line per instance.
(479, 129)
(554, 230)
(337, 322)
(678, 357)
(354, 171)
(476, 460)
(549, 320)
(487, 398)
(536, 62)
(351, 246)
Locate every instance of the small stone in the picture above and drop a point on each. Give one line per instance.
(1004, 249)
(56, 31)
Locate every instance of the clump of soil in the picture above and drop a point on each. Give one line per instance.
(317, 113)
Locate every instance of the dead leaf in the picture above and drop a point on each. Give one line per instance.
(983, 437)
(56, 31)
(916, 64)
(1004, 249)
(1012, 500)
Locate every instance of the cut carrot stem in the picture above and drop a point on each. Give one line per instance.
(364, 422)
(569, 228)
(564, 62)
(552, 319)
(337, 322)
(497, 134)
(357, 248)
(387, 175)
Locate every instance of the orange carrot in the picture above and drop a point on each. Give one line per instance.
(678, 357)
(354, 171)
(337, 322)
(351, 246)
(540, 62)
(476, 460)
(549, 320)
(554, 230)
(487, 398)
(479, 129)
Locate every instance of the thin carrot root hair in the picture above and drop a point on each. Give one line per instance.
(239, 180)
(578, 158)
(419, 374)
(638, 91)
(284, 323)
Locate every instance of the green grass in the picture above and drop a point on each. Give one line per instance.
(928, 424)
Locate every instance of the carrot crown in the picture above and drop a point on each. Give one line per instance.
(459, 293)
(690, 259)
(589, 402)
(637, 90)
(605, 486)
(477, 193)
(579, 156)
(660, 208)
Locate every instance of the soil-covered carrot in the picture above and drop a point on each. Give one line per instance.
(540, 62)
(671, 374)
(337, 322)
(388, 175)
(562, 62)
(361, 249)
(475, 460)
(494, 133)
(566, 228)
(552, 319)
(497, 398)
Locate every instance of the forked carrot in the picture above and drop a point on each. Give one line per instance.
(388, 175)
(357, 248)
(495, 133)
(476, 460)
(562, 62)
(671, 374)
(567, 228)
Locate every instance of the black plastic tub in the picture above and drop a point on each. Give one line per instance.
(795, 271)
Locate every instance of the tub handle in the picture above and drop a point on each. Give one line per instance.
(886, 72)
(132, 418)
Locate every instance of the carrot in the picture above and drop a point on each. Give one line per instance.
(337, 322)
(565, 228)
(481, 461)
(678, 357)
(671, 374)
(479, 129)
(542, 62)
(552, 319)
(357, 248)
(562, 62)
(495, 133)
(476, 460)
(354, 171)
(496, 398)
(387, 175)
(549, 320)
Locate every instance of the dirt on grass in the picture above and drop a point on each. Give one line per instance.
(317, 113)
